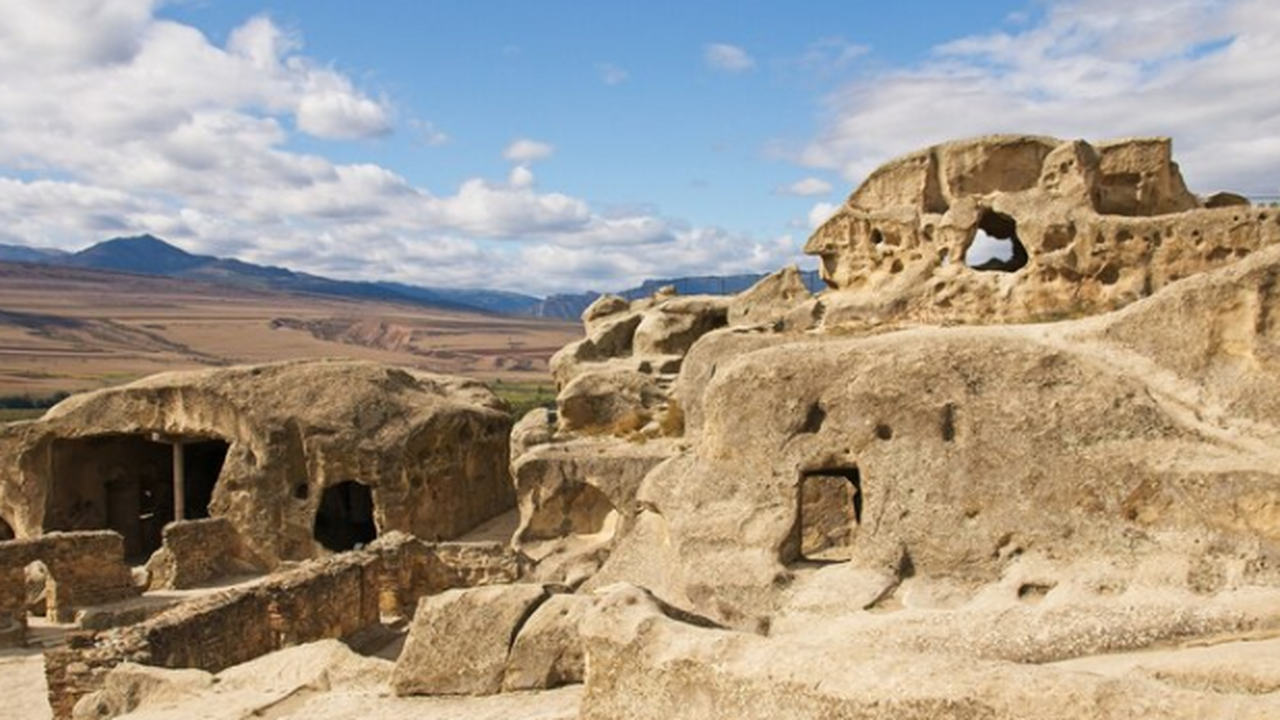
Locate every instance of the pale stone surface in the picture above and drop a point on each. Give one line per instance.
(459, 640)
(1098, 227)
(643, 664)
(431, 448)
(770, 300)
(548, 651)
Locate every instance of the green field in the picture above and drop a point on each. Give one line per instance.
(8, 415)
(524, 396)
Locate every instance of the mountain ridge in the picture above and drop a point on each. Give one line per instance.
(150, 255)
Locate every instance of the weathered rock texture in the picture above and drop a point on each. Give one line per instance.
(333, 597)
(298, 457)
(82, 569)
(577, 470)
(548, 650)
(459, 641)
(1091, 228)
(196, 552)
(902, 516)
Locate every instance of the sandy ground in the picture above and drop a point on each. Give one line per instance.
(23, 693)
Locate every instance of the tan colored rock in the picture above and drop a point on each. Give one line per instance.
(537, 427)
(604, 306)
(286, 453)
(644, 664)
(770, 300)
(673, 325)
(576, 498)
(459, 640)
(548, 651)
(130, 686)
(1090, 228)
(608, 401)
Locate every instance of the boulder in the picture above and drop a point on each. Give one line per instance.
(672, 326)
(459, 640)
(608, 401)
(548, 651)
(770, 300)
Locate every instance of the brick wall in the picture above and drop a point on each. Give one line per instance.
(196, 552)
(85, 569)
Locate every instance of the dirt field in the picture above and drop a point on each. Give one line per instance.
(69, 330)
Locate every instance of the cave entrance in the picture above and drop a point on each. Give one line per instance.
(132, 484)
(344, 519)
(829, 514)
(6, 531)
(996, 245)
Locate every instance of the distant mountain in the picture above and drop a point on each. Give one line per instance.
(572, 305)
(20, 253)
(149, 255)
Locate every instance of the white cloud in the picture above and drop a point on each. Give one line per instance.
(611, 74)
(820, 213)
(727, 58)
(807, 187)
(132, 124)
(525, 151)
(1200, 71)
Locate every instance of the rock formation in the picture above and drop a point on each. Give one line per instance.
(302, 458)
(967, 481)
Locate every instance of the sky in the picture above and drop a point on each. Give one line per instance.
(569, 145)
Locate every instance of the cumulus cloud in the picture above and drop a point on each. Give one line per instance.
(820, 213)
(807, 187)
(727, 58)
(525, 151)
(1201, 71)
(114, 121)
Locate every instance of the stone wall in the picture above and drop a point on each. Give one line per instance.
(328, 598)
(85, 568)
(413, 569)
(196, 552)
(323, 599)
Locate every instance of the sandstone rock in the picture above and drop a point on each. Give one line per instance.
(769, 300)
(286, 453)
(671, 327)
(459, 640)
(548, 651)
(537, 427)
(1084, 229)
(576, 498)
(608, 401)
(130, 686)
(644, 664)
(604, 306)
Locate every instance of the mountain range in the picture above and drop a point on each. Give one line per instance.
(149, 255)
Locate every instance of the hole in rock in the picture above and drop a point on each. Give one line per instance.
(884, 432)
(995, 245)
(829, 514)
(6, 531)
(127, 483)
(1033, 593)
(949, 422)
(814, 418)
(301, 491)
(345, 517)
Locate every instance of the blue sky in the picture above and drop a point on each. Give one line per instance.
(561, 146)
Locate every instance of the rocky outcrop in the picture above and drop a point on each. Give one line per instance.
(548, 651)
(459, 640)
(1062, 228)
(302, 458)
